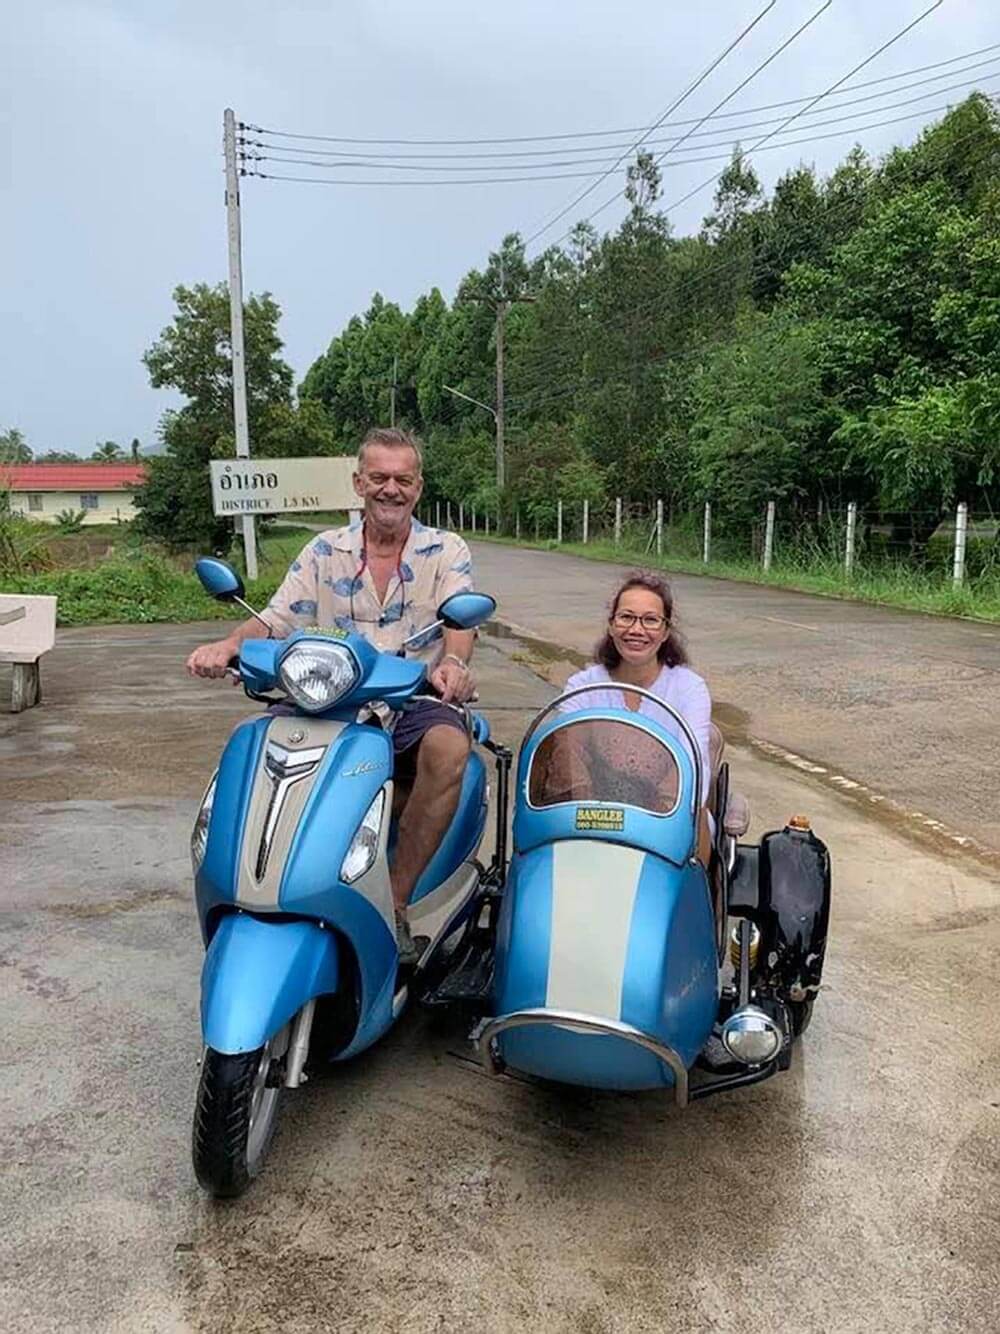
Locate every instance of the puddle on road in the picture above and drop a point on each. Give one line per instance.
(555, 663)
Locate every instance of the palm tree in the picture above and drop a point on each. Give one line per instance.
(109, 452)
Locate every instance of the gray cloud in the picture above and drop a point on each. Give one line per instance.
(113, 182)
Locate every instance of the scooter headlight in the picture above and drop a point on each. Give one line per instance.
(199, 834)
(316, 675)
(751, 1036)
(364, 845)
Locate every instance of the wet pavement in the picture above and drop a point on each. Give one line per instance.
(406, 1191)
(904, 705)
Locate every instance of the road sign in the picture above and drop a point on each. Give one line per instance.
(282, 486)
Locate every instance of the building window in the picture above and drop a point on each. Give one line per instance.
(34, 501)
(89, 500)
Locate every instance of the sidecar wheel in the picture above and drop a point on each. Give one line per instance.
(235, 1116)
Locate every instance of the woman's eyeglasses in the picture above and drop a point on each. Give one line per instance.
(624, 620)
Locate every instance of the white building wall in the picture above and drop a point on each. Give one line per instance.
(112, 506)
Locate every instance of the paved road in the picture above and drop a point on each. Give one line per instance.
(406, 1191)
(907, 705)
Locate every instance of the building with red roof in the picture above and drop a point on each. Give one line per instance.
(103, 491)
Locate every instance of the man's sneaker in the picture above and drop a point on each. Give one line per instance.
(408, 953)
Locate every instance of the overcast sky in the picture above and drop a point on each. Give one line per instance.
(112, 170)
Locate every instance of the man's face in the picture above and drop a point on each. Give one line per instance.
(390, 484)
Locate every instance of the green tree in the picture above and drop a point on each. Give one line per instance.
(758, 435)
(14, 448)
(108, 452)
(193, 355)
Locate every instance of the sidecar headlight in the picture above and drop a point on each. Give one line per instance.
(199, 834)
(317, 675)
(751, 1036)
(364, 845)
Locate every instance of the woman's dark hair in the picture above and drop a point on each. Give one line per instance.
(671, 652)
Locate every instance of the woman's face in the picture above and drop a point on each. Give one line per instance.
(639, 626)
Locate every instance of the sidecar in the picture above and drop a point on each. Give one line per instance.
(620, 960)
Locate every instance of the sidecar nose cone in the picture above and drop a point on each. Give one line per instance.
(751, 1036)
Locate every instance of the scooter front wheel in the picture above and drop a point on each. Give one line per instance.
(235, 1116)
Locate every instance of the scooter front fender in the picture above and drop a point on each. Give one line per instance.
(258, 974)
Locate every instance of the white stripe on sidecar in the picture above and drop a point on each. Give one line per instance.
(594, 887)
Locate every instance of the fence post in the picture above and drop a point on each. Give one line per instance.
(706, 545)
(559, 521)
(486, 521)
(769, 536)
(659, 527)
(437, 514)
(461, 516)
(961, 528)
(586, 521)
(473, 518)
(852, 529)
(517, 524)
(618, 521)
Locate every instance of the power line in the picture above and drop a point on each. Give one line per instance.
(590, 134)
(653, 309)
(794, 116)
(655, 125)
(488, 159)
(558, 176)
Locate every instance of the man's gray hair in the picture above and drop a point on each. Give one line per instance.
(393, 438)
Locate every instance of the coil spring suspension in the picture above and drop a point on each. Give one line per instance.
(734, 946)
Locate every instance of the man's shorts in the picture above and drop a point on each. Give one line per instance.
(414, 723)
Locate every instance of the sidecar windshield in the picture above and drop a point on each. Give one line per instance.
(604, 760)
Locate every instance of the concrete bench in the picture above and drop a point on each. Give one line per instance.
(27, 630)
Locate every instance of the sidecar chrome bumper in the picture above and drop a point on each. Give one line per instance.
(486, 1032)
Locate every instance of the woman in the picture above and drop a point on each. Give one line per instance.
(641, 648)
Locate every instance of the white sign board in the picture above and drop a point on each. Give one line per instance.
(281, 486)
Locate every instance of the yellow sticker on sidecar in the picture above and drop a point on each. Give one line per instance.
(601, 818)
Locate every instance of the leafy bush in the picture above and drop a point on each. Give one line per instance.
(70, 521)
(22, 543)
(140, 590)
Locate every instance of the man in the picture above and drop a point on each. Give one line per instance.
(385, 577)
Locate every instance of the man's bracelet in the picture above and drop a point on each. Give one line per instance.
(453, 657)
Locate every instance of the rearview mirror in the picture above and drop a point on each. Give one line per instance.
(218, 579)
(464, 611)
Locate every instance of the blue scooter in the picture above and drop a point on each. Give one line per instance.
(607, 965)
(290, 854)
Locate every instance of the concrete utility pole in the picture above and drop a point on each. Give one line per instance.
(240, 428)
(392, 392)
(501, 444)
(501, 304)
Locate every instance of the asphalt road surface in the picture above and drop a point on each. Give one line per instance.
(906, 706)
(406, 1191)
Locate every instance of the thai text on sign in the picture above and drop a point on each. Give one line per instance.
(281, 486)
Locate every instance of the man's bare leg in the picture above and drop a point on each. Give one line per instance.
(430, 807)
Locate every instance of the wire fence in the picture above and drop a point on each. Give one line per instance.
(844, 542)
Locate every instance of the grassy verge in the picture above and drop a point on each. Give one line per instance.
(146, 585)
(892, 585)
(137, 584)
